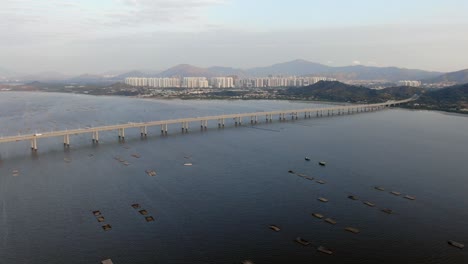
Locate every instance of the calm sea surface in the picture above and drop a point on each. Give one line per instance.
(219, 209)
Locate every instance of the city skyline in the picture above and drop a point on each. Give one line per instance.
(76, 37)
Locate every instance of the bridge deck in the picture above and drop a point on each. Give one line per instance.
(193, 119)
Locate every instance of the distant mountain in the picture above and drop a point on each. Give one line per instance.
(358, 72)
(227, 71)
(393, 74)
(296, 67)
(186, 70)
(459, 77)
(340, 92)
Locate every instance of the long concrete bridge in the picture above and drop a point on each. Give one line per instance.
(184, 122)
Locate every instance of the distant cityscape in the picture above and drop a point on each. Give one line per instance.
(224, 82)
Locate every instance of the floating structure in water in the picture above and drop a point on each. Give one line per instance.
(274, 228)
(107, 261)
(395, 193)
(97, 213)
(151, 173)
(107, 227)
(136, 206)
(143, 212)
(149, 219)
(409, 197)
(291, 171)
(322, 163)
(15, 173)
(456, 244)
(302, 241)
(321, 182)
(324, 200)
(330, 221)
(369, 204)
(317, 215)
(379, 188)
(100, 219)
(248, 261)
(324, 250)
(352, 197)
(388, 211)
(307, 158)
(352, 230)
(136, 155)
(188, 164)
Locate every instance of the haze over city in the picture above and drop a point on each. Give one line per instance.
(75, 37)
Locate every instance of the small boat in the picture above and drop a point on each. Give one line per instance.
(307, 158)
(136, 206)
(352, 197)
(324, 200)
(136, 155)
(322, 163)
(247, 262)
(107, 227)
(107, 261)
(409, 197)
(379, 188)
(388, 211)
(352, 230)
(369, 204)
(100, 219)
(302, 241)
(309, 178)
(321, 182)
(143, 212)
(149, 219)
(291, 171)
(330, 221)
(324, 250)
(317, 215)
(456, 244)
(274, 228)
(395, 193)
(301, 175)
(188, 164)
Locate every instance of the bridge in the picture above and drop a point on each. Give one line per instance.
(184, 122)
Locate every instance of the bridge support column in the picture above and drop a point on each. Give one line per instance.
(143, 131)
(96, 136)
(122, 133)
(34, 144)
(66, 141)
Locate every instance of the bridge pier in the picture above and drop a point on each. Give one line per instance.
(34, 144)
(96, 137)
(66, 141)
(144, 131)
(122, 133)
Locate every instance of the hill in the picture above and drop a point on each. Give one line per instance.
(454, 98)
(458, 77)
(340, 92)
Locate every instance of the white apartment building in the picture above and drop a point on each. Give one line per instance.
(409, 83)
(153, 82)
(195, 82)
(222, 82)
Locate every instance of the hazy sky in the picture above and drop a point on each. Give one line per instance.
(78, 36)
